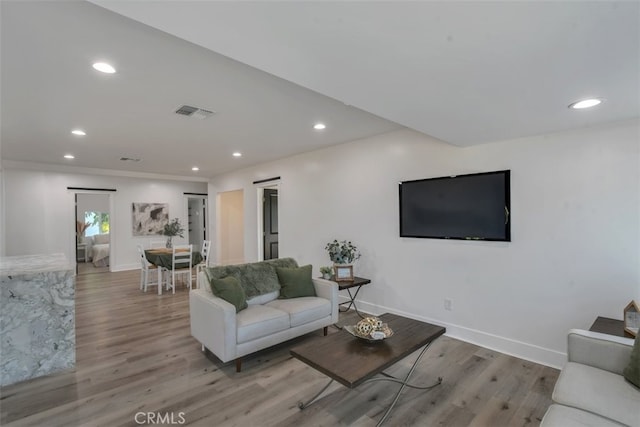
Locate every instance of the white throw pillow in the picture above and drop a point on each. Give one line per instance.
(263, 299)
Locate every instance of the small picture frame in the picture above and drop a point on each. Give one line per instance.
(343, 273)
(632, 318)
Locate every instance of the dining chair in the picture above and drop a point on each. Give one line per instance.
(181, 264)
(146, 269)
(157, 244)
(206, 248)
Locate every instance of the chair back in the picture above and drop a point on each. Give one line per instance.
(144, 262)
(182, 256)
(143, 259)
(206, 248)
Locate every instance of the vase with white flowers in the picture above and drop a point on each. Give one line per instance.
(343, 252)
(171, 229)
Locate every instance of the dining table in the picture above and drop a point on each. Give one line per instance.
(163, 259)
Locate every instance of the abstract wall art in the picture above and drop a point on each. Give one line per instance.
(149, 218)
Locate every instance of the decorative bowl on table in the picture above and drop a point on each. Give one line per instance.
(370, 329)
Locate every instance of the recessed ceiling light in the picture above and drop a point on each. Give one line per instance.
(69, 156)
(237, 154)
(78, 132)
(585, 103)
(319, 126)
(195, 169)
(104, 67)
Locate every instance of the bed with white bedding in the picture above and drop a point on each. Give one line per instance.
(99, 250)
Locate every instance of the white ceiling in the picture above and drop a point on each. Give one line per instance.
(464, 72)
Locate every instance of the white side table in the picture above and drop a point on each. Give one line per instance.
(81, 252)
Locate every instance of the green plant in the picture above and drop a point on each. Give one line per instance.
(343, 252)
(173, 228)
(101, 219)
(326, 270)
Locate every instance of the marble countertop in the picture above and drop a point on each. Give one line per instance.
(25, 264)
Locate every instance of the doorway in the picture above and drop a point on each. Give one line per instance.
(93, 231)
(270, 223)
(197, 220)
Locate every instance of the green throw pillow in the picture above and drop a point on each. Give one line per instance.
(295, 282)
(228, 288)
(632, 371)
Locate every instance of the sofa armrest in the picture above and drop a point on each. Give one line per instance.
(213, 323)
(201, 276)
(599, 350)
(328, 290)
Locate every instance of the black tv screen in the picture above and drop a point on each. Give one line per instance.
(465, 207)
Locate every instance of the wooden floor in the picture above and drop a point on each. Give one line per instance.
(137, 362)
(89, 268)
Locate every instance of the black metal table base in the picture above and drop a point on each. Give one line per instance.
(351, 302)
(386, 377)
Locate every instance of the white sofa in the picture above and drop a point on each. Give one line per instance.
(591, 390)
(267, 320)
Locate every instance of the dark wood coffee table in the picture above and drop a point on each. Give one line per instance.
(352, 361)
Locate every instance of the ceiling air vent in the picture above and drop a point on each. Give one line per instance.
(195, 112)
(129, 159)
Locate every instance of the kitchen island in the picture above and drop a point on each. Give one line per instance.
(37, 316)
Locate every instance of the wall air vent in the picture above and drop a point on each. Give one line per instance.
(129, 159)
(195, 112)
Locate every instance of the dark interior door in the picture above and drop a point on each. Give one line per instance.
(270, 215)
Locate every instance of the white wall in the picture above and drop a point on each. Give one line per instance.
(574, 255)
(92, 203)
(39, 211)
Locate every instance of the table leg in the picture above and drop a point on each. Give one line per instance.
(386, 377)
(405, 383)
(303, 405)
(352, 302)
(159, 280)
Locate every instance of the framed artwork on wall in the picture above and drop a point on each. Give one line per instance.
(149, 219)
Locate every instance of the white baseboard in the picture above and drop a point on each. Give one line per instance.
(125, 267)
(522, 350)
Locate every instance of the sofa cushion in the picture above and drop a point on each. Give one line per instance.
(632, 371)
(565, 416)
(296, 282)
(598, 391)
(258, 321)
(229, 289)
(256, 278)
(304, 309)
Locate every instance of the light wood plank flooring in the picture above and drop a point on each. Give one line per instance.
(135, 355)
(89, 268)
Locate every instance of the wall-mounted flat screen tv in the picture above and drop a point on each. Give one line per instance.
(465, 207)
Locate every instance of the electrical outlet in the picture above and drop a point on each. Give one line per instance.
(448, 304)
